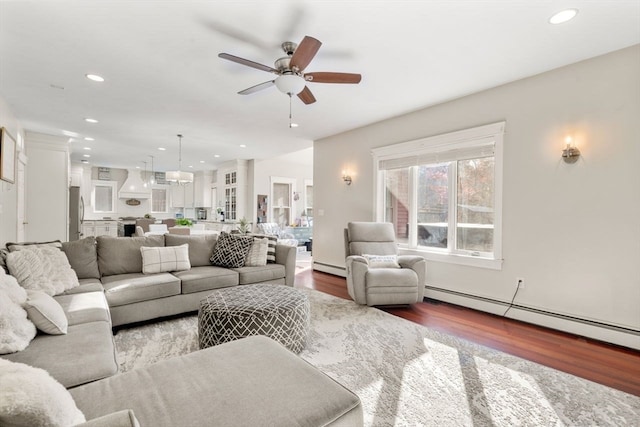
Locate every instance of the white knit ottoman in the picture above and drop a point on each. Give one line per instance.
(276, 311)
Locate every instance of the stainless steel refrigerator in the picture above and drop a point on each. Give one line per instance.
(76, 213)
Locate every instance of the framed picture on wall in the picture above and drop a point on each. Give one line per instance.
(7, 157)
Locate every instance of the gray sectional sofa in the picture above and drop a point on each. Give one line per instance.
(247, 382)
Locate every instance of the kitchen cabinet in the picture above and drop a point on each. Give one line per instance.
(100, 228)
(182, 196)
(202, 189)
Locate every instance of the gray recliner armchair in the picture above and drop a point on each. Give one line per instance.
(373, 275)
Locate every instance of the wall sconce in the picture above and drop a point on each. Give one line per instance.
(346, 178)
(570, 154)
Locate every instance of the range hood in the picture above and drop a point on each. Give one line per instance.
(133, 187)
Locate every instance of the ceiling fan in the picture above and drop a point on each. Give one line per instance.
(291, 78)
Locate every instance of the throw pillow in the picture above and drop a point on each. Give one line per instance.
(46, 313)
(31, 397)
(30, 245)
(231, 250)
(43, 268)
(83, 257)
(200, 246)
(16, 331)
(257, 255)
(382, 261)
(164, 259)
(271, 250)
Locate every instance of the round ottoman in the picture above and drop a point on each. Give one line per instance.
(276, 311)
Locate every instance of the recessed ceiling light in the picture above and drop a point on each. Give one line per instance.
(137, 167)
(243, 146)
(216, 155)
(161, 148)
(201, 161)
(86, 155)
(191, 166)
(70, 134)
(88, 138)
(87, 148)
(293, 125)
(84, 161)
(90, 120)
(563, 16)
(94, 77)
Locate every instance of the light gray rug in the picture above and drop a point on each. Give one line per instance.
(409, 375)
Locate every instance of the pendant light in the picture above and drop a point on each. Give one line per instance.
(179, 177)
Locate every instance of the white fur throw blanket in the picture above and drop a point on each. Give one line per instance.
(16, 331)
(42, 268)
(31, 397)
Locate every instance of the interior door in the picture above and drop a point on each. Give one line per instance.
(21, 201)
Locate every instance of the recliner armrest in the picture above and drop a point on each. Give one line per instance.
(419, 265)
(408, 261)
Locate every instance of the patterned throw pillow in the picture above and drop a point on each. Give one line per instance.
(257, 255)
(160, 259)
(271, 249)
(382, 261)
(231, 250)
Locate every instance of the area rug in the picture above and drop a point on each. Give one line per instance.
(409, 375)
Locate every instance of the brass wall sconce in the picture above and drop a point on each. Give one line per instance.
(346, 178)
(570, 154)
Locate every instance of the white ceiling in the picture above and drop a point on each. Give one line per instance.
(163, 75)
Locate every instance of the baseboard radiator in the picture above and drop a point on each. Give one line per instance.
(619, 335)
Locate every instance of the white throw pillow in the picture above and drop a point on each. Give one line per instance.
(16, 330)
(163, 259)
(31, 397)
(42, 268)
(257, 255)
(46, 313)
(382, 261)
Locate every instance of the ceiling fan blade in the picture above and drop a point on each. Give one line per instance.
(305, 52)
(237, 34)
(246, 62)
(306, 96)
(327, 77)
(256, 88)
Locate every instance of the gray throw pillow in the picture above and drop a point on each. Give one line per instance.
(83, 257)
(231, 250)
(200, 246)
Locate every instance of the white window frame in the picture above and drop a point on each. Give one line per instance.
(307, 183)
(292, 185)
(114, 194)
(433, 145)
(167, 195)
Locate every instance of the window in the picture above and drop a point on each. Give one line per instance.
(159, 200)
(308, 197)
(230, 203)
(281, 200)
(103, 196)
(443, 194)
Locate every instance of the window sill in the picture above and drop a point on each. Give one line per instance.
(471, 261)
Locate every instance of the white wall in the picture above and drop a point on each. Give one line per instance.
(8, 193)
(572, 231)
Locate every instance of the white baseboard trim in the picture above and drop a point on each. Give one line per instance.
(583, 327)
(328, 268)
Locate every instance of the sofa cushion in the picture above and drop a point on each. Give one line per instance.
(83, 257)
(31, 397)
(248, 275)
(204, 278)
(128, 288)
(200, 246)
(248, 382)
(121, 255)
(86, 353)
(16, 330)
(86, 285)
(42, 268)
(165, 259)
(46, 313)
(85, 307)
(231, 250)
(124, 418)
(257, 255)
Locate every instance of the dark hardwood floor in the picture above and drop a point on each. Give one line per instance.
(607, 364)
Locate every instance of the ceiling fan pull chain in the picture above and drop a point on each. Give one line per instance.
(290, 118)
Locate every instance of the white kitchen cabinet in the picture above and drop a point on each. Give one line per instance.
(202, 189)
(182, 196)
(100, 228)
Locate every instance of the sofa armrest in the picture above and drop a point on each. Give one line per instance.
(419, 265)
(125, 418)
(357, 267)
(286, 255)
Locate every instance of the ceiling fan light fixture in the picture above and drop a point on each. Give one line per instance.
(290, 84)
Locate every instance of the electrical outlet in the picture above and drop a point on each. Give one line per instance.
(520, 282)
